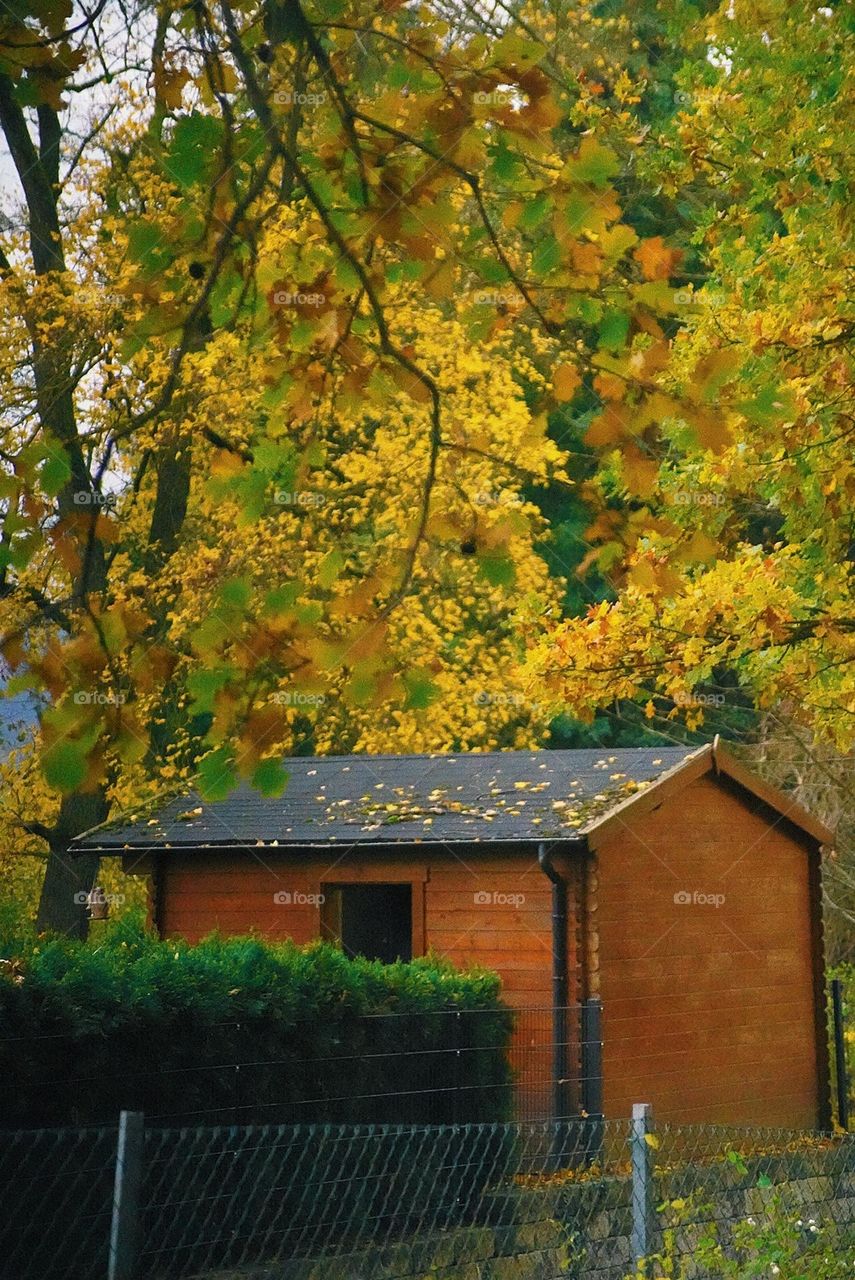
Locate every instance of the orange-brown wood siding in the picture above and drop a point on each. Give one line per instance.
(709, 1010)
(485, 909)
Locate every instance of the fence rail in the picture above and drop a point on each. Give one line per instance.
(381, 1202)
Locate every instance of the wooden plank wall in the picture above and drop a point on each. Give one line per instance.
(486, 909)
(709, 1010)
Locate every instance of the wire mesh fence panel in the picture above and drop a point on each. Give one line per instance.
(381, 1201)
(579, 1198)
(537, 1200)
(56, 1188)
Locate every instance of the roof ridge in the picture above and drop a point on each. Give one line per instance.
(487, 755)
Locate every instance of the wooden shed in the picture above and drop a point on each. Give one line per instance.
(665, 899)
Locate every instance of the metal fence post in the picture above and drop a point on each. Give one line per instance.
(840, 1070)
(127, 1192)
(642, 1182)
(457, 1038)
(592, 1076)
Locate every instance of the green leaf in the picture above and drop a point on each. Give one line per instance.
(505, 165)
(330, 568)
(346, 276)
(478, 322)
(224, 297)
(193, 148)
(582, 211)
(491, 271)
(498, 569)
(236, 593)
(397, 75)
(56, 472)
(421, 691)
(315, 454)
(535, 212)
(547, 256)
(614, 328)
(281, 599)
(204, 685)
(658, 295)
(273, 396)
(330, 8)
(270, 778)
(210, 634)
(148, 247)
(594, 164)
(22, 551)
(769, 405)
(310, 613)
(580, 306)
(217, 776)
(64, 765)
(274, 459)
(359, 691)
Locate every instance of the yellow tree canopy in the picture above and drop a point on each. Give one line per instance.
(735, 544)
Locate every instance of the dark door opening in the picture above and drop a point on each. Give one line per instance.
(371, 920)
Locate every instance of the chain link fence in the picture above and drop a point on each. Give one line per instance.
(56, 1194)
(528, 1201)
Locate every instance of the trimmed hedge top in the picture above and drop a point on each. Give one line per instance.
(242, 1029)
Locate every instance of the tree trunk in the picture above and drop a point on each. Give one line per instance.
(62, 906)
(68, 878)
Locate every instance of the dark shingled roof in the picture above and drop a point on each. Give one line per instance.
(507, 795)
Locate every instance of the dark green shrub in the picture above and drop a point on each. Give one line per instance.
(242, 1031)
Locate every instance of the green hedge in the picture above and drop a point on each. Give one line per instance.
(242, 1031)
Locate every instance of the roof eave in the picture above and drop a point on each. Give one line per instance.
(225, 846)
(715, 758)
(726, 763)
(651, 796)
